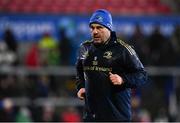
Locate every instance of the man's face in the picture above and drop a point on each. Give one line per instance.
(99, 33)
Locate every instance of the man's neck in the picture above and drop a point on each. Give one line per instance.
(107, 41)
(98, 45)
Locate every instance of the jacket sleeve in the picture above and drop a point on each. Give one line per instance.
(79, 68)
(135, 74)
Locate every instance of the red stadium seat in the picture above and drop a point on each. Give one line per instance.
(101, 4)
(87, 2)
(138, 10)
(60, 2)
(57, 9)
(70, 10)
(117, 7)
(27, 9)
(116, 3)
(151, 10)
(40, 9)
(142, 2)
(13, 8)
(83, 10)
(164, 9)
(30, 2)
(3, 3)
(154, 2)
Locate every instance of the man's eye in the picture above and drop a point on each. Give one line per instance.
(99, 27)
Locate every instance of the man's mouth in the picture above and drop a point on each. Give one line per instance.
(96, 37)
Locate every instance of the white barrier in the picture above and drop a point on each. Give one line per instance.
(67, 71)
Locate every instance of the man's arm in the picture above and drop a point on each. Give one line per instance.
(79, 76)
(80, 85)
(135, 74)
(80, 80)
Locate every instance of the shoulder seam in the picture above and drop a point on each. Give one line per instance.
(127, 46)
(87, 41)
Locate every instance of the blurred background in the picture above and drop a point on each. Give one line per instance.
(38, 48)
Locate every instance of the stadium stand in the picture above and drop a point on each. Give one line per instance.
(117, 7)
(31, 91)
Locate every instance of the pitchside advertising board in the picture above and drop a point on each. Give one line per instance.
(31, 27)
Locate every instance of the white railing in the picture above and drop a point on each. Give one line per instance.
(67, 71)
(53, 101)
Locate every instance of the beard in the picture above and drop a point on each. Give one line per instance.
(97, 39)
(98, 43)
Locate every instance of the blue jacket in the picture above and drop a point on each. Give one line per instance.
(103, 100)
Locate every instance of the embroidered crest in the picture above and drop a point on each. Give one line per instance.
(99, 18)
(107, 55)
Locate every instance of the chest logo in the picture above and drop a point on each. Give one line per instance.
(107, 55)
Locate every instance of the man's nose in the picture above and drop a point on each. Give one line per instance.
(94, 31)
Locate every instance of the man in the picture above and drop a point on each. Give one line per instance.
(107, 69)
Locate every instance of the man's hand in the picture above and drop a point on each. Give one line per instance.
(115, 79)
(81, 93)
